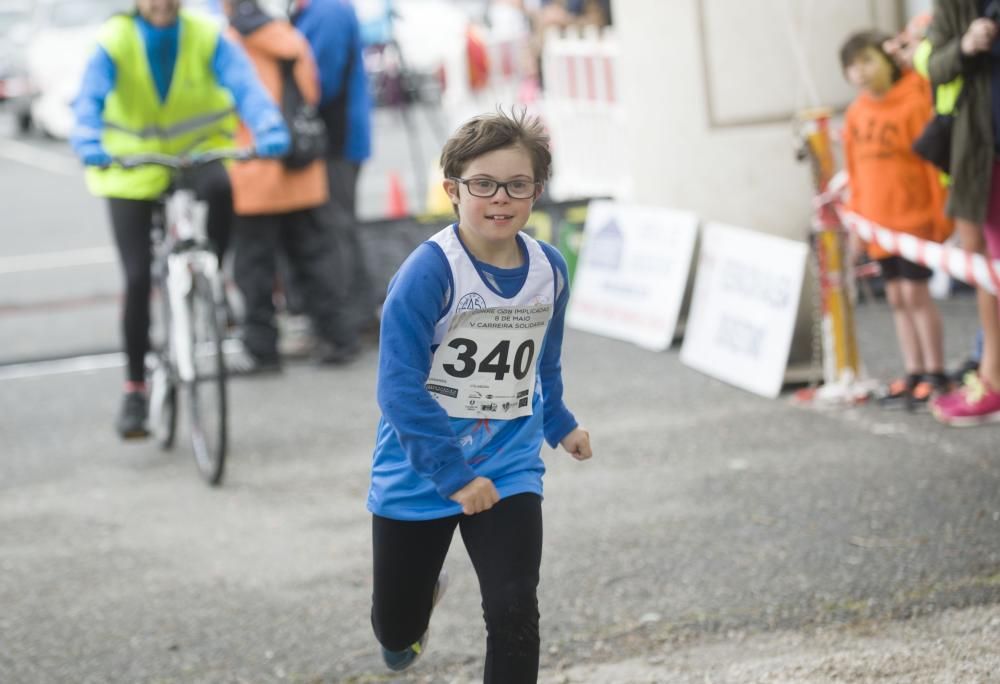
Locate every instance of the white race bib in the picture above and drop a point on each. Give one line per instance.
(485, 366)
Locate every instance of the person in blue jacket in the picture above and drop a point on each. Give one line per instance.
(334, 33)
(470, 384)
(162, 79)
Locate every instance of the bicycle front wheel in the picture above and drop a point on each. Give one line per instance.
(207, 392)
(162, 403)
(162, 382)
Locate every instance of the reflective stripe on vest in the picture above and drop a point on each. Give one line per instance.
(198, 114)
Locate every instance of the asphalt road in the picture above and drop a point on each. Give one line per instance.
(59, 278)
(707, 512)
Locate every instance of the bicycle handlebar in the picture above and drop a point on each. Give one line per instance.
(187, 161)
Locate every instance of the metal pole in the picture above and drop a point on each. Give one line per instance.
(841, 364)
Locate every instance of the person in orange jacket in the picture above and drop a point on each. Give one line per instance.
(285, 206)
(892, 186)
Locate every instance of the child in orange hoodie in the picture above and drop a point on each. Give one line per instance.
(893, 187)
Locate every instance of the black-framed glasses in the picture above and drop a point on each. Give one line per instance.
(487, 187)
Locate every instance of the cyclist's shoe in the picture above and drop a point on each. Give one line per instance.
(397, 661)
(329, 354)
(131, 423)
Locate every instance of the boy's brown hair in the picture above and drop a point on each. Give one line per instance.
(861, 41)
(489, 132)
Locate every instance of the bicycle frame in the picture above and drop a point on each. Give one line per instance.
(186, 268)
(185, 250)
(187, 254)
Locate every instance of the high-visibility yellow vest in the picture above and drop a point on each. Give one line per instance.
(197, 115)
(945, 95)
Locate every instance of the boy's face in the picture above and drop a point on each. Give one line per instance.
(498, 218)
(870, 71)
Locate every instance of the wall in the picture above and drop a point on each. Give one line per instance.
(710, 89)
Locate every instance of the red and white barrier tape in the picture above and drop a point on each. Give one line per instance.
(971, 269)
(834, 190)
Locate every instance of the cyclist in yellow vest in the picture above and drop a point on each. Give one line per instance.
(163, 79)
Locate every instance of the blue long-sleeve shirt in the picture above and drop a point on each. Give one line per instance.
(422, 455)
(333, 32)
(232, 68)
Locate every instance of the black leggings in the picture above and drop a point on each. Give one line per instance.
(505, 545)
(131, 221)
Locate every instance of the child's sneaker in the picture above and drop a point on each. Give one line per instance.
(397, 661)
(975, 403)
(897, 394)
(932, 386)
(920, 395)
(968, 366)
(956, 394)
(942, 383)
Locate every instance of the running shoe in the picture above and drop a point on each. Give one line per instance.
(975, 403)
(397, 661)
(897, 394)
(968, 366)
(131, 423)
(920, 396)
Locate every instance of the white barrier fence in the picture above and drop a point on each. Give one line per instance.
(581, 102)
(506, 83)
(583, 108)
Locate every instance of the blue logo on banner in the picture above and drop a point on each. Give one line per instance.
(607, 246)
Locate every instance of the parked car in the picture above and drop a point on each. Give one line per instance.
(16, 89)
(63, 37)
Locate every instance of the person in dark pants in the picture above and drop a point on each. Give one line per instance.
(129, 103)
(283, 208)
(333, 32)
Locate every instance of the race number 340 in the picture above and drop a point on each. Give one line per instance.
(497, 361)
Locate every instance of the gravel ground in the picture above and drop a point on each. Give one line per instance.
(715, 537)
(955, 646)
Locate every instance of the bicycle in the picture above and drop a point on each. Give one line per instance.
(190, 356)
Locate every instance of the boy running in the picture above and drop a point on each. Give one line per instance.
(469, 384)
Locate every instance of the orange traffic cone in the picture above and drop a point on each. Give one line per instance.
(397, 197)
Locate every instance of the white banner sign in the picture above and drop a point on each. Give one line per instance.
(746, 297)
(632, 271)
